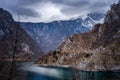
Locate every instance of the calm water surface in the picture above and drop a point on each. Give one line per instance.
(54, 73)
(59, 73)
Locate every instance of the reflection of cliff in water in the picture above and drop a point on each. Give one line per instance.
(52, 73)
(109, 75)
(71, 74)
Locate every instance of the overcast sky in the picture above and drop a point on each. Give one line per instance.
(50, 10)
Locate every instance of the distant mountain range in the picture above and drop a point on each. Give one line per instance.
(50, 35)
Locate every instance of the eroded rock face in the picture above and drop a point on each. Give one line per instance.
(98, 49)
(14, 39)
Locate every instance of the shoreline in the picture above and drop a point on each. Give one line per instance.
(67, 66)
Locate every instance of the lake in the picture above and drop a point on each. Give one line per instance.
(60, 73)
(27, 71)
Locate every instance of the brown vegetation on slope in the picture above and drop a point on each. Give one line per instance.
(98, 49)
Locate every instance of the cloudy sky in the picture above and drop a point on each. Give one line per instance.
(50, 10)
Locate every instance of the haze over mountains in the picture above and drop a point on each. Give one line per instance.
(50, 35)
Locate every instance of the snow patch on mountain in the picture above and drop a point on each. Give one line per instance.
(50, 35)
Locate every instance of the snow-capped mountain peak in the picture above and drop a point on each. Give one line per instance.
(92, 19)
(50, 35)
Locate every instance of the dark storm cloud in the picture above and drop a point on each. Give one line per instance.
(28, 12)
(99, 4)
(87, 6)
(100, 7)
(72, 6)
(19, 7)
(71, 2)
(29, 2)
(68, 7)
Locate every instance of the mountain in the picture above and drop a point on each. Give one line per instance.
(50, 35)
(96, 50)
(14, 39)
(92, 19)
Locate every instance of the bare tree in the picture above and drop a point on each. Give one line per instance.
(13, 61)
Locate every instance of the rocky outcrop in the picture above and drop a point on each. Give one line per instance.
(98, 49)
(14, 39)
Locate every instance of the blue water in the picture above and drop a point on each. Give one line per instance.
(59, 73)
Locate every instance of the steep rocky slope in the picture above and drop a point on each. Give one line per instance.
(98, 49)
(14, 39)
(51, 34)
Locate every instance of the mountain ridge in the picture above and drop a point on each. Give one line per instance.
(14, 39)
(53, 33)
(96, 50)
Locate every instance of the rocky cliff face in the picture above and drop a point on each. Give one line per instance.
(14, 39)
(50, 35)
(98, 49)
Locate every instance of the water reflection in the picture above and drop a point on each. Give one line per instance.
(59, 73)
(109, 75)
